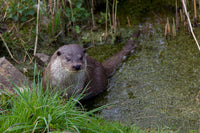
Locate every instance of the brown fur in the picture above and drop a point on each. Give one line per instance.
(71, 66)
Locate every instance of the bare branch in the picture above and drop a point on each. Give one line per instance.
(190, 25)
(8, 49)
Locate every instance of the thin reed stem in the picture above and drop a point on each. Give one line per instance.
(37, 27)
(195, 9)
(177, 18)
(190, 25)
(106, 23)
(52, 16)
(92, 11)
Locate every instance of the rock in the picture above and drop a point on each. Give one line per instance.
(42, 59)
(8, 70)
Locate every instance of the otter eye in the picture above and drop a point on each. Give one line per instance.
(58, 53)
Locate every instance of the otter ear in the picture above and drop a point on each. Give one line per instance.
(84, 50)
(58, 53)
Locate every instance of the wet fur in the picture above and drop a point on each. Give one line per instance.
(93, 74)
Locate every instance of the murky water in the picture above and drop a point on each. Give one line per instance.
(156, 87)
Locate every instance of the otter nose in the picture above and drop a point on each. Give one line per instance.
(77, 67)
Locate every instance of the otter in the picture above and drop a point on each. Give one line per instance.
(70, 67)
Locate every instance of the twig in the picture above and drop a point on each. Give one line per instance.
(8, 49)
(37, 30)
(92, 11)
(173, 29)
(118, 22)
(195, 9)
(27, 22)
(106, 19)
(7, 6)
(52, 16)
(168, 26)
(54, 7)
(177, 18)
(54, 39)
(26, 53)
(186, 13)
(156, 15)
(113, 16)
(129, 24)
(37, 27)
(181, 14)
(166, 31)
(58, 35)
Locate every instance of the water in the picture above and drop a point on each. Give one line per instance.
(156, 87)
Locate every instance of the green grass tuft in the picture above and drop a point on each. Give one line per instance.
(32, 110)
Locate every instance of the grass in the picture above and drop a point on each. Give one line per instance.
(37, 111)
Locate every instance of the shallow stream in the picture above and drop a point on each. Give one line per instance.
(157, 85)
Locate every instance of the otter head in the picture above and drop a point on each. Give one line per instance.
(72, 57)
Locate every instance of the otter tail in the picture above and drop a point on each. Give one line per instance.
(113, 62)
